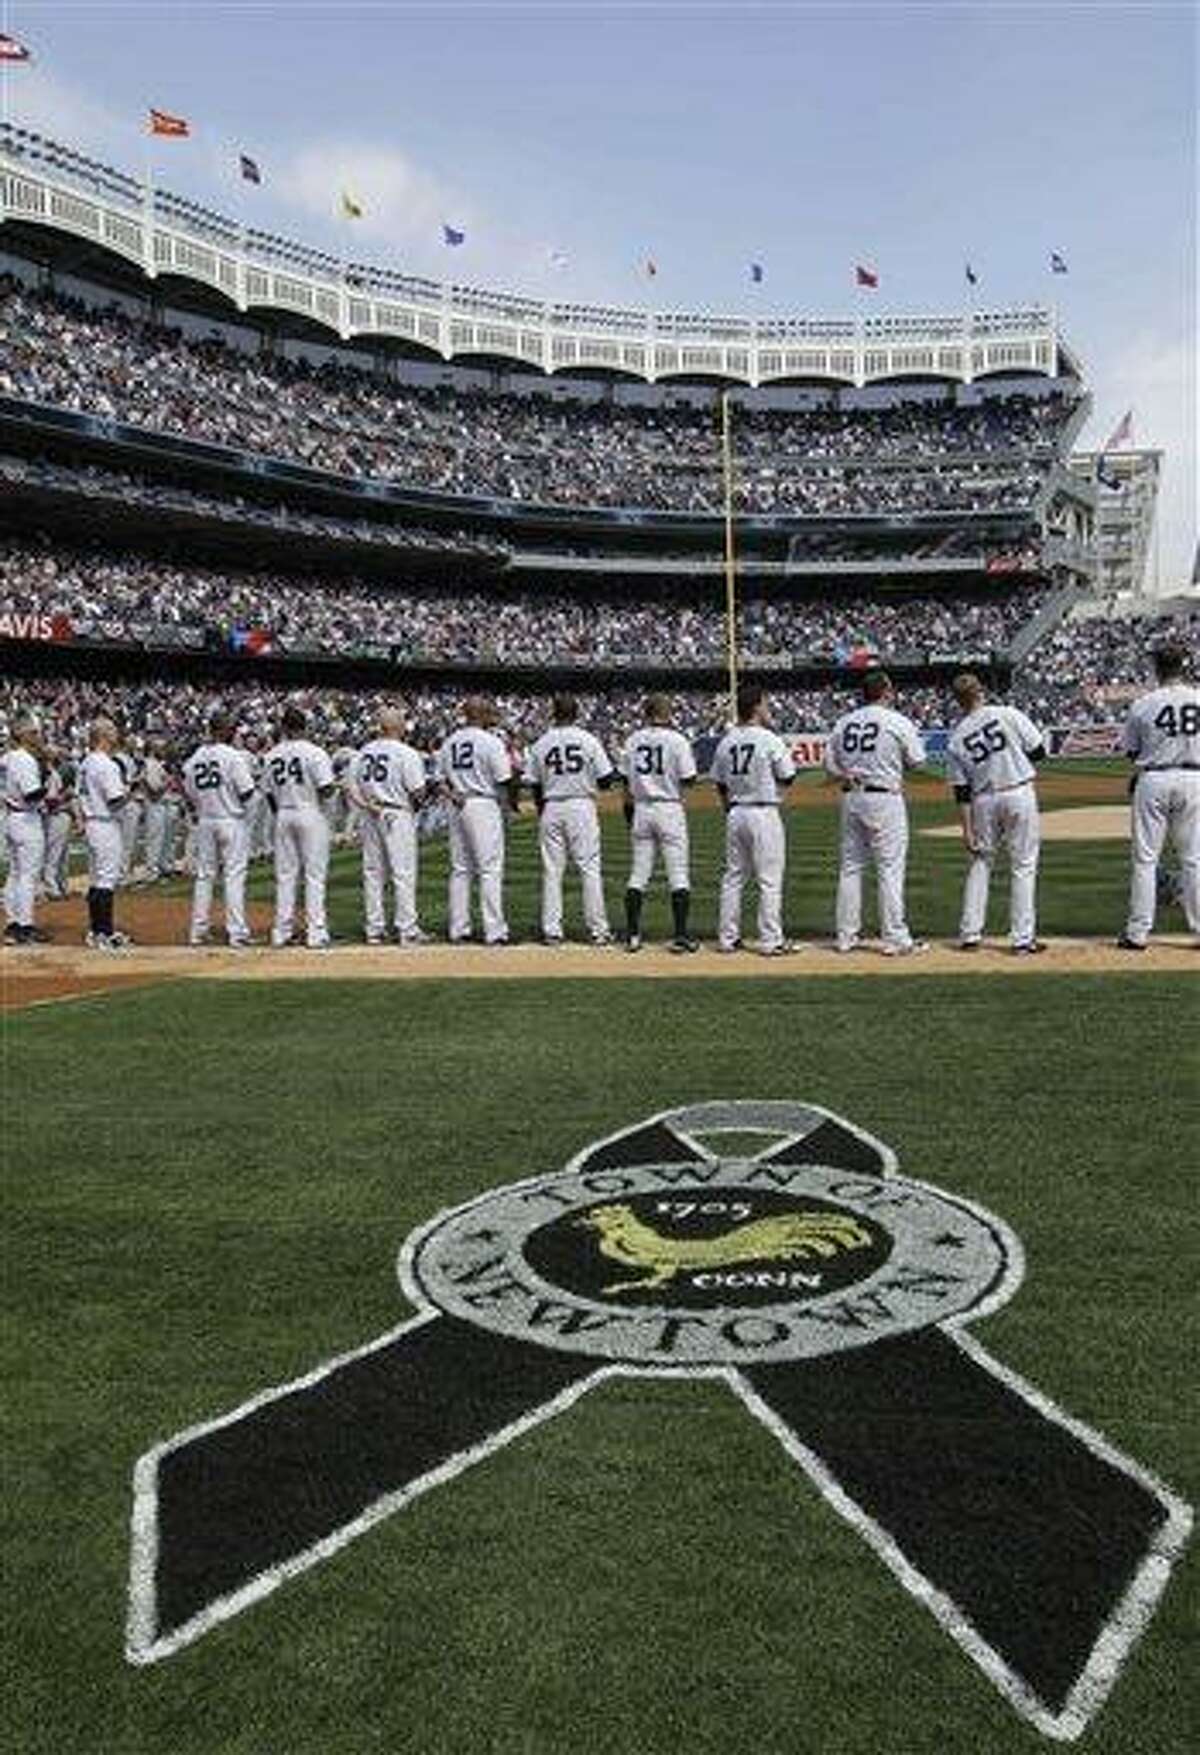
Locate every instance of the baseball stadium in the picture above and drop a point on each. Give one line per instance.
(598, 1001)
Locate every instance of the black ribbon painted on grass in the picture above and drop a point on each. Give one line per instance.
(1030, 1535)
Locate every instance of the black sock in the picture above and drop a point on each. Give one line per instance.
(633, 912)
(93, 910)
(680, 902)
(104, 909)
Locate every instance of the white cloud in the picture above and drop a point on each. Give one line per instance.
(1155, 376)
(404, 206)
(36, 98)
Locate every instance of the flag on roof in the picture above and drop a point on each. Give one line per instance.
(1105, 477)
(1057, 264)
(249, 168)
(12, 50)
(865, 276)
(172, 127)
(452, 236)
(756, 273)
(1122, 434)
(651, 267)
(972, 277)
(351, 206)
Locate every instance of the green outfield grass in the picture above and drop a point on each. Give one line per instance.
(1083, 888)
(206, 1187)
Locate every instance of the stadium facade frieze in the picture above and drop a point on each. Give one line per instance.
(49, 188)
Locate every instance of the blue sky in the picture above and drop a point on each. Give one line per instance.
(706, 136)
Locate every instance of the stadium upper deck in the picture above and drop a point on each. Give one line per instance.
(111, 219)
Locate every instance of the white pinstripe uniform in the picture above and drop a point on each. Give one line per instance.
(752, 763)
(656, 764)
(474, 766)
(24, 834)
(296, 774)
(868, 750)
(219, 786)
(387, 777)
(100, 788)
(1162, 735)
(57, 812)
(988, 758)
(568, 764)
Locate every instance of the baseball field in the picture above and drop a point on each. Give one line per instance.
(208, 1180)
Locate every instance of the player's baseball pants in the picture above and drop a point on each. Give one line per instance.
(570, 830)
(104, 845)
(755, 848)
(1009, 820)
(1164, 803)
(301, 847)
(221, 846)
(25, 840)
(874, 831)
(56, 857)
(477, 851)
(389, 848)
(131, 819)
(659, 825)
(154, 837)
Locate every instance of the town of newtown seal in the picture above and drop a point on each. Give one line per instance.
(774, 1247)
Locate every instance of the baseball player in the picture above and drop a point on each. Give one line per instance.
(56, 807)
(1162, 739)
(298, 780)
(155, 787)
(750, 767)
(126, 758)
(990, 765)
(475, 772)
(24, 831)
(219, 787)
(565, 768)
(386, 783)
(100, 800)
(657, 766)
(868, 752)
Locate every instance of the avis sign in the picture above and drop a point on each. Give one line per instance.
(831, 1295)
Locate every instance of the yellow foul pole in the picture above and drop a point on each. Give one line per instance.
(730, 559)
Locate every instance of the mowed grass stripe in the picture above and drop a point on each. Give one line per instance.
(649, 1573)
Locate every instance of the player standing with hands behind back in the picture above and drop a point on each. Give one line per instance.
(565, 768)
(750, 765)
(1162, 738)
(657, 765)
(219, 786)
(868, 751)
(990, 764)
(297, 779)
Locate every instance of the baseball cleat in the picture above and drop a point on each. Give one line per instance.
(552, 939)
(844, 946)
(916, 947)
(684, 946)
(969, 944)
(14, 934)
(417, 937)
(374, 938)
(785, 948)
(602, 939)
(728, 950)
(634, 942)
(1125, 943)
(1033, 947)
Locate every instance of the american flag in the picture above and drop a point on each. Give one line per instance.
(174, 127)
(12, 50)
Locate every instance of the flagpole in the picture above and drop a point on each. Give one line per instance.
(730, 558)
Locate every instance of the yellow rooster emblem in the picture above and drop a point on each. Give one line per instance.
(782, 1237)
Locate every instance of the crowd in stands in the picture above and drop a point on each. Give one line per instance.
(119, 596)
(125, 488)
(1086, 671)
(916, 455)
(175, 713)
(1087, 676)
